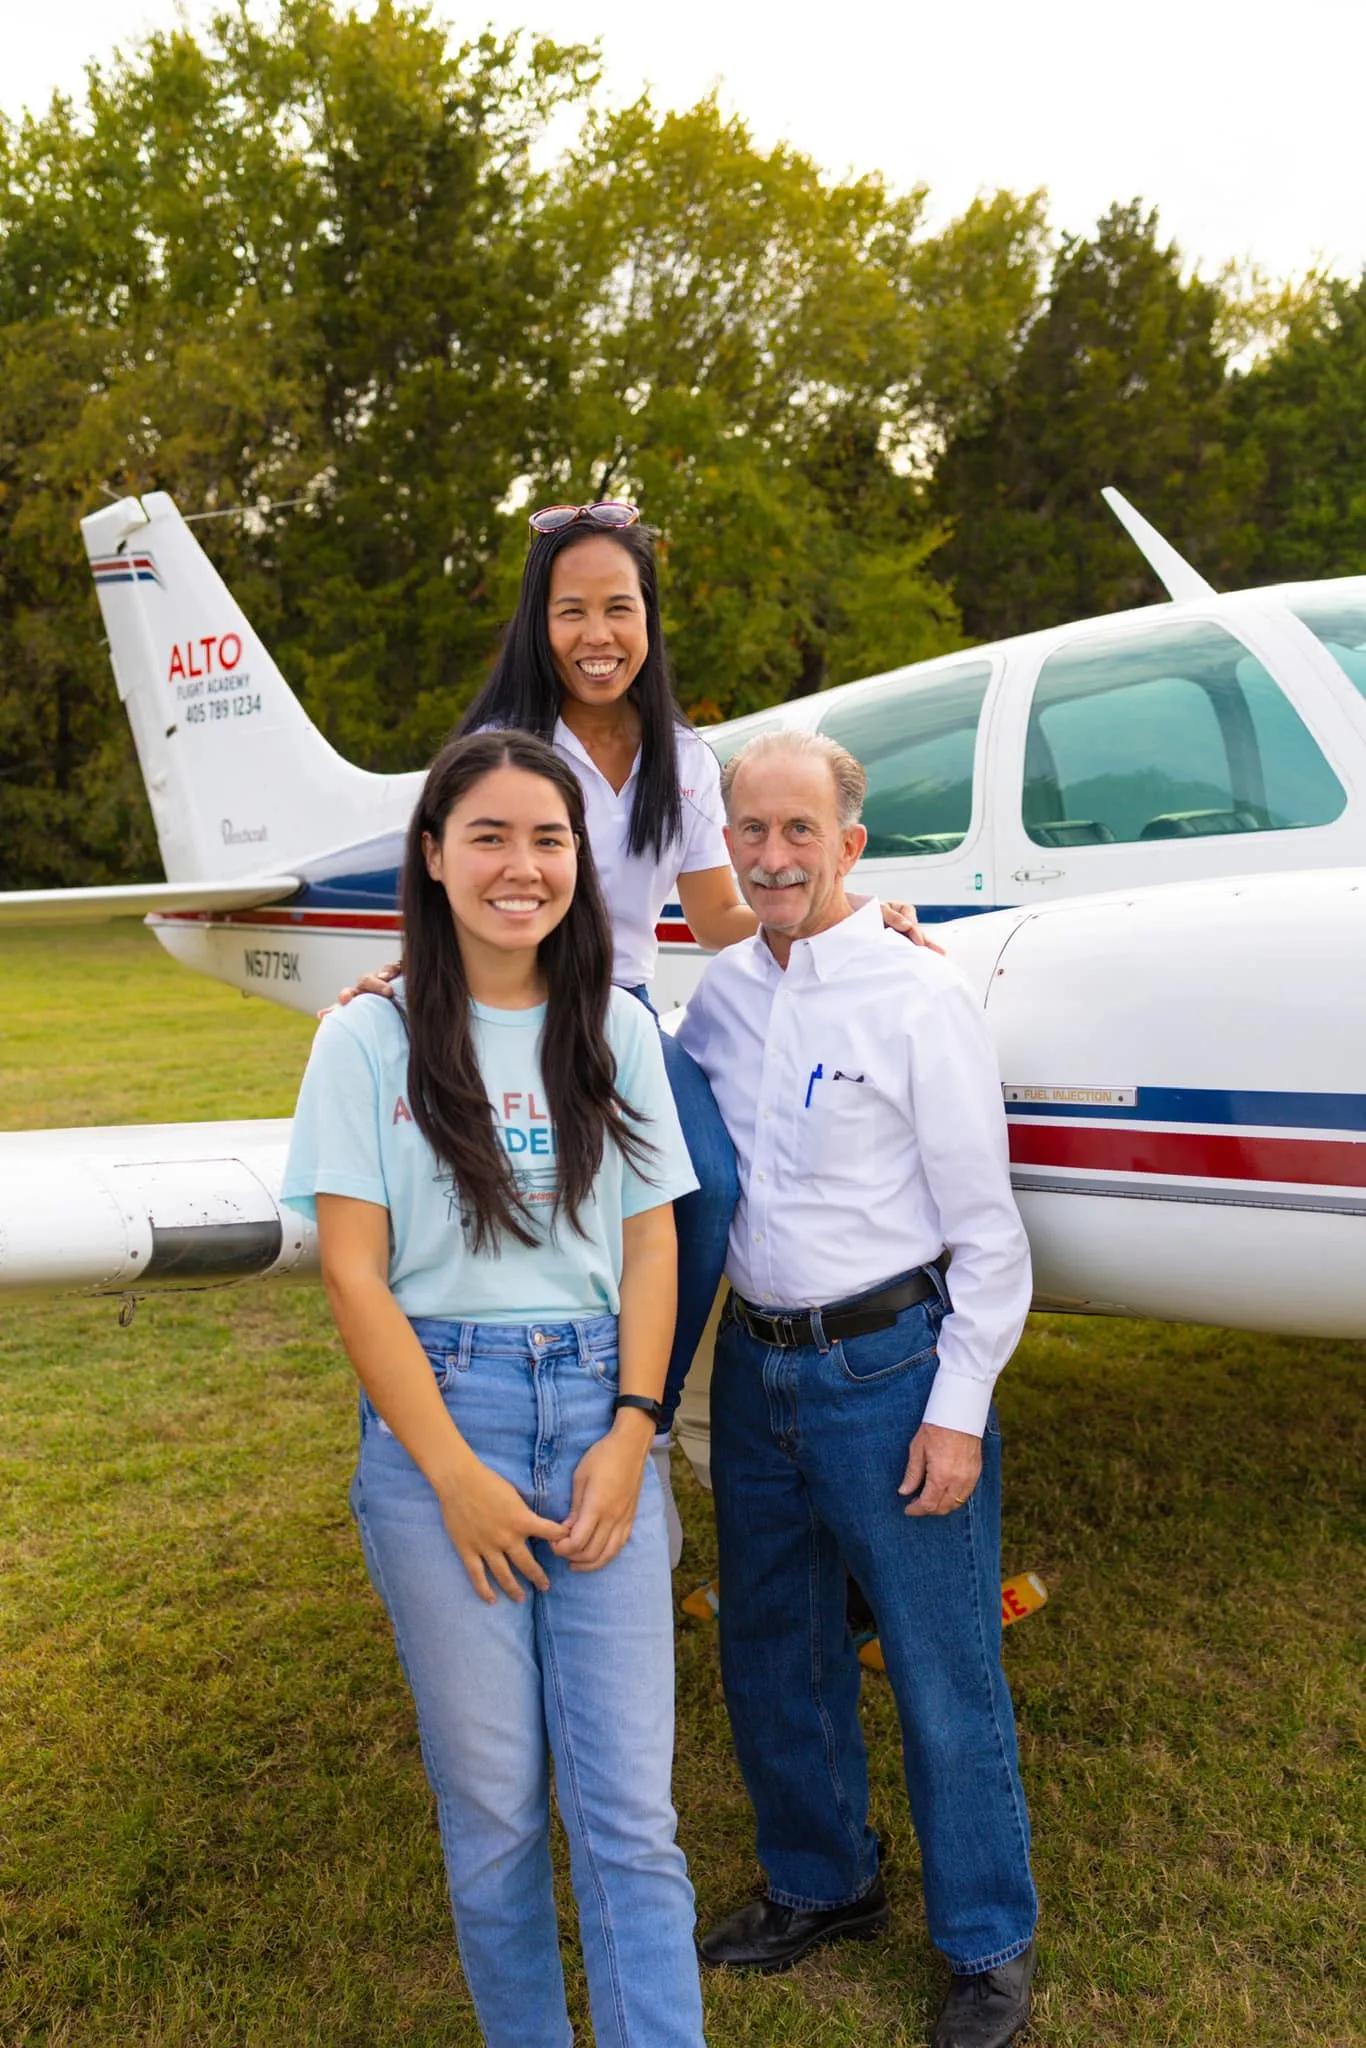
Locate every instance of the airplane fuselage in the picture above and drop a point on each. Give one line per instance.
(1226, 735)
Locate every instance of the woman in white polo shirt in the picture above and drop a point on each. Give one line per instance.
(584, 666)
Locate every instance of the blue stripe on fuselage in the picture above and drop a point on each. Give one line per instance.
(377, 890)
(927, 913)
(944, 913)
(362, 890)
(1269, 1109)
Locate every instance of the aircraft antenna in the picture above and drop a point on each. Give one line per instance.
(1173, 571)
(246, 511)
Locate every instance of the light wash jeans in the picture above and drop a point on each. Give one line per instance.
(808, 1448)
(583, 1675)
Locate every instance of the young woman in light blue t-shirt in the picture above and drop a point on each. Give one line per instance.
(492, 1160)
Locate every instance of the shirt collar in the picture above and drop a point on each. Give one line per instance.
(830, 952)
(571, 744)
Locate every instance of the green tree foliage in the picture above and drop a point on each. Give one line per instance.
(313, 261)
(1299, 417)
(273, 265)
(1119, 379)
(762, 355)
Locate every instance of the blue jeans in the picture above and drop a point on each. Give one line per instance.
(808, 1448)
(583, 1675)
(702, 1219)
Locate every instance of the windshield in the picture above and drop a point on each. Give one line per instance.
(916, 735)
(1336, 616)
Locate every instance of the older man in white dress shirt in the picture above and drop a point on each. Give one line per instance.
(852, 1426)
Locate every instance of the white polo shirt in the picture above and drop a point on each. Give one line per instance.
(636, 885)
(863, 1097)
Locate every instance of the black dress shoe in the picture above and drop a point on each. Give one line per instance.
(989, 2009)
(765, 1936)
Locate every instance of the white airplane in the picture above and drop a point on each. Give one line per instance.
(1170, 804)
(1211, 736)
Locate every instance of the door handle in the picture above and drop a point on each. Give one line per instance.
(1037, 875)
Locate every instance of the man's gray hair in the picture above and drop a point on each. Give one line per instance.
(847, 774)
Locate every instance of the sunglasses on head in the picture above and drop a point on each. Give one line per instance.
(608, 512)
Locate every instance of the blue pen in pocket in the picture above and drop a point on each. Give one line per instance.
(817, 1074)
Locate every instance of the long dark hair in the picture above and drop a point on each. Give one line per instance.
(446, 1091)
(525, 691)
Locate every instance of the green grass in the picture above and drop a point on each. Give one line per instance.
(214, 1826)
(99, 1026)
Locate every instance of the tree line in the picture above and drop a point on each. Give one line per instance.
(319, 259)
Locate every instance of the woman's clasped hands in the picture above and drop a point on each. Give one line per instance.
(492, 1527)
(606, 1493)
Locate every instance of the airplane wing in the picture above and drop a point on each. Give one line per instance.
(138, 899)
(137, 1209)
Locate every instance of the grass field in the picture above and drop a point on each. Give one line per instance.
(215, 1825)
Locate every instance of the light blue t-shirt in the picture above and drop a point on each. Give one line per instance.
(354, 1134)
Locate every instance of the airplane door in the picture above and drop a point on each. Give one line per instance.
(1161, 749)
(922, 739)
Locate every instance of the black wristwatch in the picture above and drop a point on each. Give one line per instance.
(654, 1409)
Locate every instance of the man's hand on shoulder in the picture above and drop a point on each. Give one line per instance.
(376, 984)
(943, 1467)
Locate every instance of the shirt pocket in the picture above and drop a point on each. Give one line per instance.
(838, 1136)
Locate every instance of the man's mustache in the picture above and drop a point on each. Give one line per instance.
(776, 878)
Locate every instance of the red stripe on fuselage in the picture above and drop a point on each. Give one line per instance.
(283, 919)
(1318, 1162)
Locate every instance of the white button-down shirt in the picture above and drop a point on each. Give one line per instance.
(863, 1097)
(638, 885)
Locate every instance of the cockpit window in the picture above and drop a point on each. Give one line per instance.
(916, 735)
(1172, 732)
(1336, 616)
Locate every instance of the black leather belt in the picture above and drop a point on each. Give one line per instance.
(856, 1318)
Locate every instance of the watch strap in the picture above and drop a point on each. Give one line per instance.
(654, 1409)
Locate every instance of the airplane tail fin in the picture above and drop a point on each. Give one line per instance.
(239, 778)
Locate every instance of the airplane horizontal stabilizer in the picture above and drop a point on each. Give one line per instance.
(138, 899)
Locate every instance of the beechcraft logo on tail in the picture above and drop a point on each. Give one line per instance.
(126, 569)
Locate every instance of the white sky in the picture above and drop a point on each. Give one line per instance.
(1240, 119)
